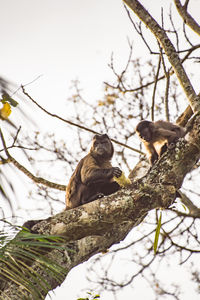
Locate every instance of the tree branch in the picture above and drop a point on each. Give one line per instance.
(36, 179)
(170, 51)
(187, 18)
(75, 124)
(96, 226)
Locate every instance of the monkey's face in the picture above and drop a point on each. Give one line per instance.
(102, 146)
(145, 134)
(144, 130)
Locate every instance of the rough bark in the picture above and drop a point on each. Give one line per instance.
(94, 227)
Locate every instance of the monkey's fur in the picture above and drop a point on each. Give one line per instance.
(93, 176)
(158, 136)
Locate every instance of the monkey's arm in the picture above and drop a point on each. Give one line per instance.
(169, 135)
(151, 151)
(92, 173)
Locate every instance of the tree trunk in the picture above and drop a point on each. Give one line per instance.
(96, 226)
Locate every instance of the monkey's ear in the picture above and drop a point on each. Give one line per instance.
(143, 124)
(101, 137)
(105, 136)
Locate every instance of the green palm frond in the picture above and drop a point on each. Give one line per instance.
(17, 256)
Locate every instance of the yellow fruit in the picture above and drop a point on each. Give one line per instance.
(122, 180)
(5, 111)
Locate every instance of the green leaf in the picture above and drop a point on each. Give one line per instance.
(155, 245)
(7, 98)
(18, 254)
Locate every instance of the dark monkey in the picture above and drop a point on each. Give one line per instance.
(158, 136)
(93, 176)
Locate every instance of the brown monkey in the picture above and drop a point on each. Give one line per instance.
(158, 136)
(93, 176)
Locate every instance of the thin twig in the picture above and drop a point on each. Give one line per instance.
(171, 72)
(167, 75)
(26, 84)
(75, 124)
(15, 138)
(154, 89)
(36, 179)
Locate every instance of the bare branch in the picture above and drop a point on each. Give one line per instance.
(167, 75)
(36, 179)
(154, 88)
(187, 18)
(96, 226)
(170, 51)
(75, 124)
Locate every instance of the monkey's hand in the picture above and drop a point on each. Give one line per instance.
(122, 180)
(171, 146)
(116, 172)
(172, 143)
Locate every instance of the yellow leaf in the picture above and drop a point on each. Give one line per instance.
(5, 111)
(101, 103)
(122, 180)
(110, 99)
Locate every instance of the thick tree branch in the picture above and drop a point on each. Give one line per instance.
(170, 51)
(93, 227)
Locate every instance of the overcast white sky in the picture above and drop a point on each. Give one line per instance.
(61, 40)
(64, 40)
